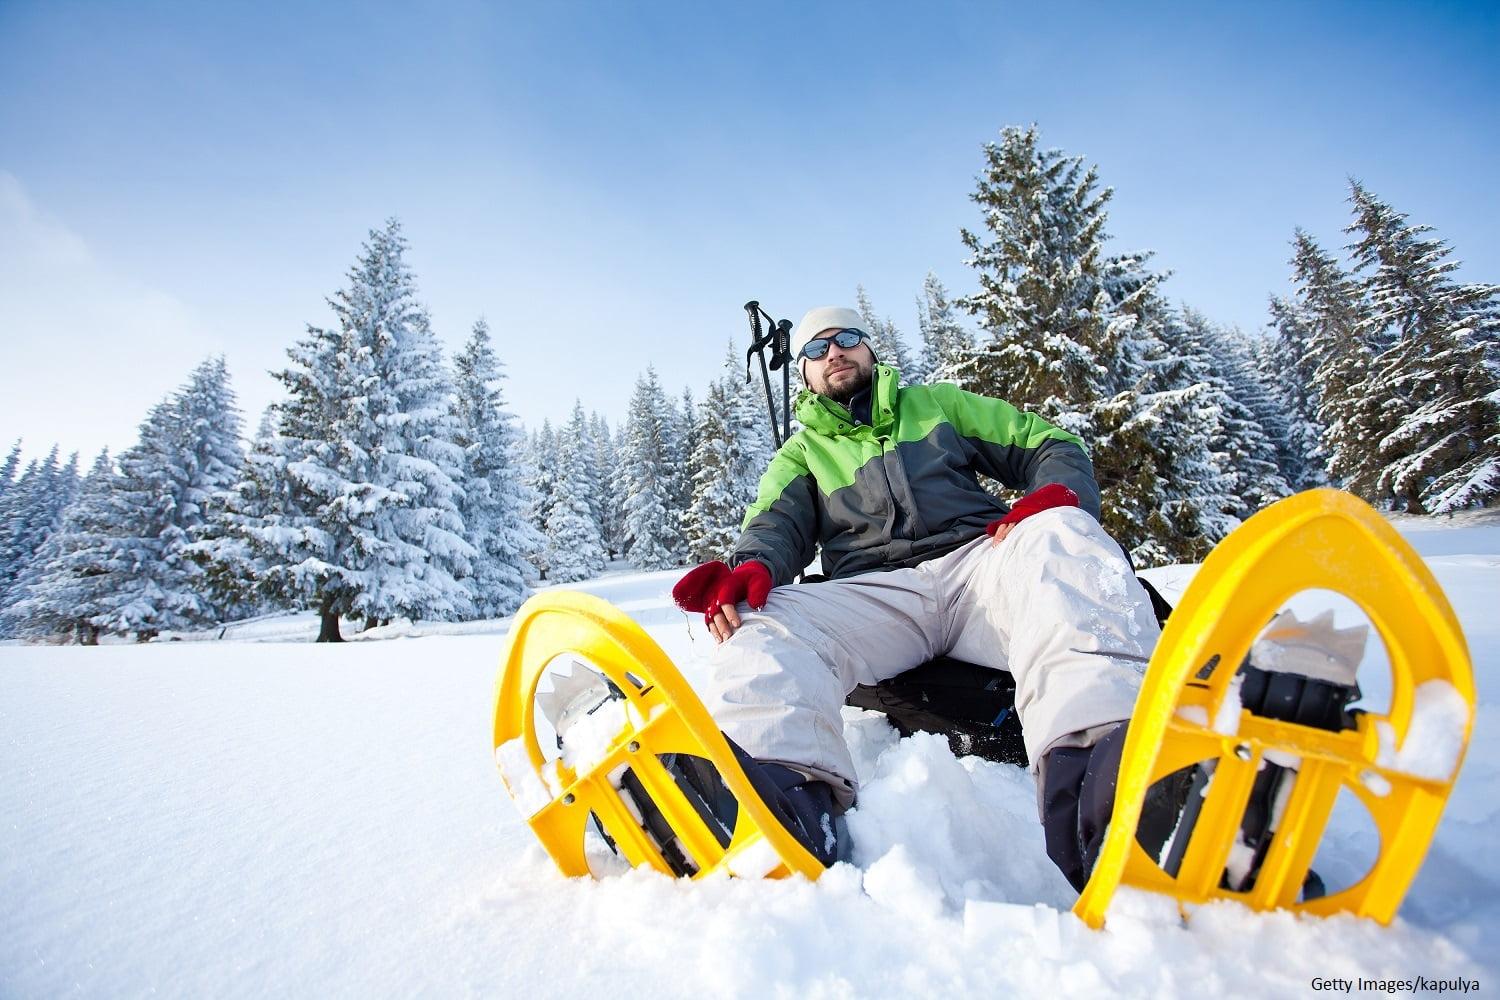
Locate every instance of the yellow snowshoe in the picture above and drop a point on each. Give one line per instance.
(1400, 764)
(644, 725)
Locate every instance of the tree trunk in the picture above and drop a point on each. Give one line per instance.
(328, 630)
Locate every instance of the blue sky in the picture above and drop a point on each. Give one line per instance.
(608, 183)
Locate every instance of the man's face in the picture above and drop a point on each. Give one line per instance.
(840, 374)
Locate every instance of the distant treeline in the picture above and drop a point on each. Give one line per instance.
(391, 482)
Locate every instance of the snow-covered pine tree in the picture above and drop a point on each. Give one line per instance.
(1073, 336)
(212, 458)
(712, 515)
(15, 505)
(1244, 451)
(187, 458)
(1330, 328)
(7, 485)
(1164, 483)
(493, 505)
(543, 482)
(8, 470)
(684, 445)
(734, 448)
(1240, 363)
(885, 339)
(945, 341)
(367, 438)
(235, 572)
(71, 582)
(541, 488)
(141, 507)
(1042, 298)
(594, 495)
(576, 551)
(1287, 368)
(1443, 389)
(606, 466)
(32, 511)
(653, 530)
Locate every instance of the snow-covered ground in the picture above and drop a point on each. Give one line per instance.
(261, 816)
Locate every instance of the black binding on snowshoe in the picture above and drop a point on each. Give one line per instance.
(1285, 697)
(806, 808)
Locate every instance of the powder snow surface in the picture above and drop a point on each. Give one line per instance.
(269, 817)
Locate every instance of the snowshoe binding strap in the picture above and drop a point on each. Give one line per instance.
(1188, 712)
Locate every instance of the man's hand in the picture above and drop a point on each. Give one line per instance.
(1045, 498)
(713, 589)
(998, 531)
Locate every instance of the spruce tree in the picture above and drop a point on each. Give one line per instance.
(211, 461)
(685, 445)
(187, 458)
(143, 586)
(1241, 364)
(1165, 486)
(1075, 336)
(493, 505)
(1287, 368)
(1041, 274)
(885, 339)
(541, 486)
(71, 588)
(32, 511)
(1441, 451)
(576, 551)
(606, 467)
(8, 470)
(1330, 329)
(711, 526)
(235, 569)
(945, 342)
(1246, 457)
(733, 451)
(16, 505)
(653, 531)
(367, 440)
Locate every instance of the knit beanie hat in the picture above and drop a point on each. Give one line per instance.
(815, 322)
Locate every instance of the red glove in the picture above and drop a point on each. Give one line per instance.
(713, 584)
(1049, 496)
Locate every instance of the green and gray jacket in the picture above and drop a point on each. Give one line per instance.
(904, 488)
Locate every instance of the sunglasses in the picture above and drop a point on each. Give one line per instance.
(815, 349)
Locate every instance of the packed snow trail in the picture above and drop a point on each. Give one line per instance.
(244, 818)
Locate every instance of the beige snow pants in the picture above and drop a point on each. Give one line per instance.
(1055, 603)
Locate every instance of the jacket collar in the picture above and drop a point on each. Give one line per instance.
(821, 414)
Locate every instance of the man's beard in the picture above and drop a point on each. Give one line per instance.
(851, 388)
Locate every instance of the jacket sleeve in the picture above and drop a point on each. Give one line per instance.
(1021, 450)
(781, 527)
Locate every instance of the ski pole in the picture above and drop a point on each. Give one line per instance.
(759, 341)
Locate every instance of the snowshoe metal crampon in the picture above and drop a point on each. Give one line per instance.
(1321, 539)
(663, 716)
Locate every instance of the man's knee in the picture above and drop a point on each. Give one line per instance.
(1071, 522)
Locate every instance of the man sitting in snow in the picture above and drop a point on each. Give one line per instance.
(921, 562)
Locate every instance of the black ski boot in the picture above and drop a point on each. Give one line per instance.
(805, 806)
